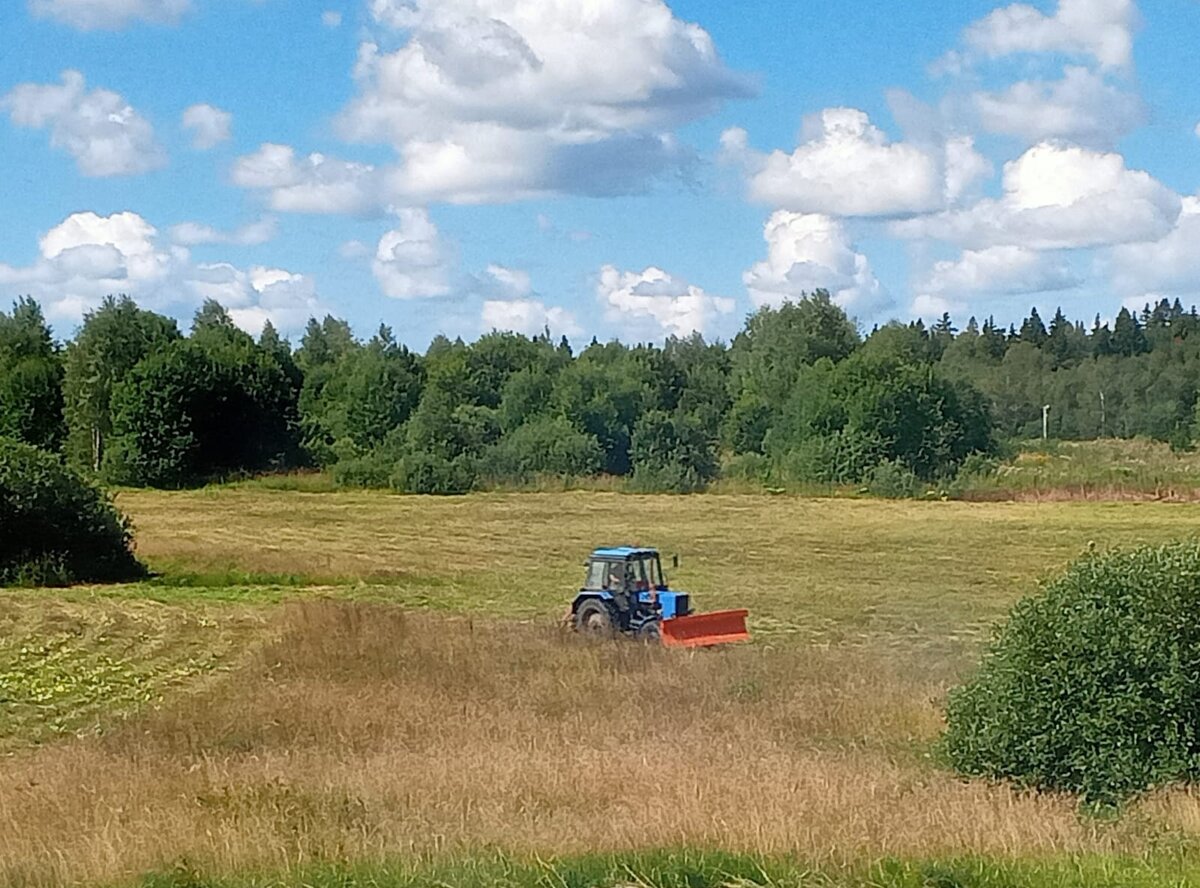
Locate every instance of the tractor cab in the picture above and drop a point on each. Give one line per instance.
(633, 579)
(625, 590)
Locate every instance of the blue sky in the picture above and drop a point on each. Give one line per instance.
(620, 168)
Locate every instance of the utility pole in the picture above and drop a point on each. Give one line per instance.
(1045, 422)
(1103, 418)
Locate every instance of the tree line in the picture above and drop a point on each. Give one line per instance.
(798, 396)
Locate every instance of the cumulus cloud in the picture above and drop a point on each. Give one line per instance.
(312, 184)
(1082, 107)
(511, 282)
(109, 15)
(528, 316)
(808, 252)
(1102, 29)
(847, 167)
(209, 126)
(674, 306)
(995, 271)
(258, 295)
(496, 100)
(510, 305)
(331, 18)
(1170, 266)
(191, 234)
(104, 134)
(412, 260)
(1058, 196)
(87, 257)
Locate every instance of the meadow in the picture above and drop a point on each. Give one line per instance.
(363, 689)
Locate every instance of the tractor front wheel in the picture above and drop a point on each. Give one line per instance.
(649, 633)
(594, 619)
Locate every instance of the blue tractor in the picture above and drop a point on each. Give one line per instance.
(626, 592)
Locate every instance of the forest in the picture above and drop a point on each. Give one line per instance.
(801, 395)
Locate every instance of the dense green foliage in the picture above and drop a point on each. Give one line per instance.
(31, 372)
(1093, 685)
(58, 527)
(798, 398)
(211, 405)
(113, 340)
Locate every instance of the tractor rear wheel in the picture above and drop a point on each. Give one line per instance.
(594, 619)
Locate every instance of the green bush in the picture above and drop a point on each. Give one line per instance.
(892, 479)
(428, 473)
(543, 446)
(372, 471)
(750, 468)
(1093, 685)
(57, 527)
(672, 453)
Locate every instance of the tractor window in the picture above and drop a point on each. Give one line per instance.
(656, 574)
(597, 575)
(638, 576)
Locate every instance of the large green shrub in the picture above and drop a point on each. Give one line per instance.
(1093, 685)
(55, 527)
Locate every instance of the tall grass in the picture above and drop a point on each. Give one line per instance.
(1107, 470)
(362, 734)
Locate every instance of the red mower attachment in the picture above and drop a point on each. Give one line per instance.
(705, 630)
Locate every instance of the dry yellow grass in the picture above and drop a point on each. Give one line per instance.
(362, 724)
(363, 733)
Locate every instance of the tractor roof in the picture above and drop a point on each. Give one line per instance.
(622, 553)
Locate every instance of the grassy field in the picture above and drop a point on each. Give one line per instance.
(1106, 470)
(362, 689)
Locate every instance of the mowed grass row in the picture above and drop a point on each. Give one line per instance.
(69, 667)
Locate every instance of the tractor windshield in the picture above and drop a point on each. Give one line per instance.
(657, 581)
(647, 573)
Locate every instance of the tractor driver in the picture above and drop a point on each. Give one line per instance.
(617, 586)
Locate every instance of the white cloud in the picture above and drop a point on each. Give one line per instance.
(412, 261)
(1003, 270)
(528, 316)
(87, 257)
(1059, 197)
(354, 249)
(191, 234)
(512, 282)
(847, 167)
(313, 184)
(676, 307)
(511, 305)
(497, 100)
(109, 15)
(104, 134)
(1081, 107)
(331, 18)
(1197, 131)
(258, 295)
(209, 126)
(1170, 266)
(808, 252)
(1102, 29)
